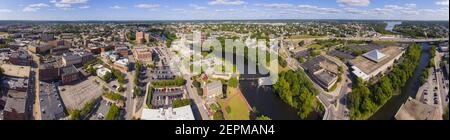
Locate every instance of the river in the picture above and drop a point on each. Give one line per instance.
(391, 24)
(264, 99)
(388, 111)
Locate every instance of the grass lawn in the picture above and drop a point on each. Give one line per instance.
(237, 105)
(315, 46)
(385, 42)
(304, 36)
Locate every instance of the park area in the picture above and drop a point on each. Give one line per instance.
(235, 107)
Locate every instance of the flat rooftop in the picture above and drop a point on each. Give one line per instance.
(326, 77)
(415, 110)
(16, 101)
(368, 66)
(52, 107)
(181, 113)
(16, 71)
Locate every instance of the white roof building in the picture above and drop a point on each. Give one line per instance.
(102, 71)
(181, 113)
(123, 62)
(359, 73)
(375, 55)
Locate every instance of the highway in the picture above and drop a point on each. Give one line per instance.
(402, 40)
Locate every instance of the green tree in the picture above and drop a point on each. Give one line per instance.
(107, 77)
(295, 88)
(233, 82)
(113, 113)
(181, 102)
(301, 43)
(263, 117)
(218, 115)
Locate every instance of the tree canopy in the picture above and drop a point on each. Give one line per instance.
(298, 91)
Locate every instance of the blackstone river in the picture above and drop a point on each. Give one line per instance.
(268, 103)
(264, 99)
(388, 111)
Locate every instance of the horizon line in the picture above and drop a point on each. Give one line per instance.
(220, 20)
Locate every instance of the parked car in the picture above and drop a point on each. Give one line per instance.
(446, 99)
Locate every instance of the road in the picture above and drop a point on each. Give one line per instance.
(441, 83)
(199, 103)
(35, 115)
(198, 100)
(340, 110)
(404, 40)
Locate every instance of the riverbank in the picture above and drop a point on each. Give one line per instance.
(235, 106)
(388, 110)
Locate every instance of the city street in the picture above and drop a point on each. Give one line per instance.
(442, 83)
(199, 102)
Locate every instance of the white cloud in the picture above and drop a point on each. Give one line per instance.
(276, 5)
(226, 2)
(85, 7)
(442, 2)
(307, 9)
(147, 6)
(67, 4)
(73, 1)
(196, 7)
(117, 7)
(5, 11)
(226, 10)
(355, 11)
(179, 10)
(35, 7)
(354, 2)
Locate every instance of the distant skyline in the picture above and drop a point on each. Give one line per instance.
(223, 9)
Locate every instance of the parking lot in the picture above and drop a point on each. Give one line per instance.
(101, 110)
(75, 96)
(428, 92)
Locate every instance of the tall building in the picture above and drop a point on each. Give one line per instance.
(147, 37)
(143, 55)
(140, 37)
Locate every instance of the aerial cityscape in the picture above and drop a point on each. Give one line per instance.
(224, 60)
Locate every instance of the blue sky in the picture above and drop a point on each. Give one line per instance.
(222, 9)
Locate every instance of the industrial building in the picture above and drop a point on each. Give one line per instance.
(375, 62)
(322, 71)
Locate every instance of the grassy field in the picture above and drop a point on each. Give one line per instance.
(304, 37)
(315, 46)
(385, 42)
(238, 108)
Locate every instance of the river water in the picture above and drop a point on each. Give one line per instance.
(269, 103)
(264, 99)
(391, 24)
(388, 111)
